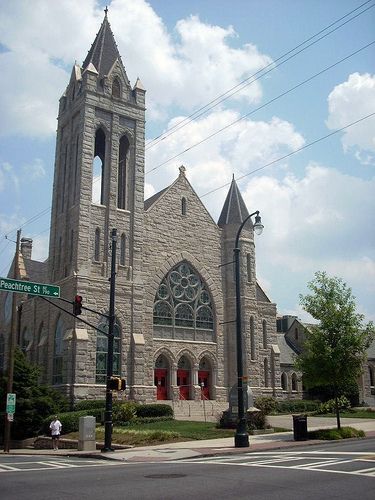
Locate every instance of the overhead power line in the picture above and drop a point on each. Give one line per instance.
(293, 152)
(260, 107)
(261, 73)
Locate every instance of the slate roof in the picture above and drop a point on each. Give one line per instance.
(287, 354)
(150, 201)
(234, 209)
(103, 52)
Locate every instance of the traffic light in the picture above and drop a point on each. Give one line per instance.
(117, 384)
(77, 305)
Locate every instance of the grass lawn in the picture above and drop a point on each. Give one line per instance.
(352, 414)
(161, 432)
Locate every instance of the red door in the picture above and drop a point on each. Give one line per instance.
(183, 383)
(203, 381)
(160, 380)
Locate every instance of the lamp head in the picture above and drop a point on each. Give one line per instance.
(258, 226)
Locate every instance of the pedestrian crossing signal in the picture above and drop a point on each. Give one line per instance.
(117, 384)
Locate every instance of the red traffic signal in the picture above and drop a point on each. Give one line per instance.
(77, 305)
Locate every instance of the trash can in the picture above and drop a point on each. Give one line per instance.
(300, 427)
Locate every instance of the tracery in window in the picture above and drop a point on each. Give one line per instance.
(183, 301)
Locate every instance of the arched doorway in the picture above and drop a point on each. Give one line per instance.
(161, 377)
(204, 378)
(183, 377)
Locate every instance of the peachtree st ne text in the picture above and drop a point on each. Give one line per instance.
(20, 287)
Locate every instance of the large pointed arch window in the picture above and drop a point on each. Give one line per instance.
(123, 156)
(102, 351)
(98, 168)
(183, 307)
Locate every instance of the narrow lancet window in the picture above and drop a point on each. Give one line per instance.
(122, 172)
(98, 168)
(97, 245)
(183, 206)
(122, 249)
(116, 88)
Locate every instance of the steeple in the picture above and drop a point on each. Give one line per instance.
(104, 52)
(234, 209)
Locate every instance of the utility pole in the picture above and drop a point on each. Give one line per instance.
(111, 322)
(12, 344)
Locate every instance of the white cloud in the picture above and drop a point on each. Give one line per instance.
(310, 226)
(185, 68)
(34, 171)
(8, 177)
(240, 149)
(350, 101)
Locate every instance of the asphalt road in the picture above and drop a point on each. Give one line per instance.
(336, 471)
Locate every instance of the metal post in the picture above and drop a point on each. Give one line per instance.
(12, 345)
(111, 322)
(241, 437)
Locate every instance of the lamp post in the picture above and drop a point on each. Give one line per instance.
(241, 438)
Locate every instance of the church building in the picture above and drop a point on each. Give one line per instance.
(175, 331)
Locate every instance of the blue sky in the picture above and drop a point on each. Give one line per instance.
(317, 205)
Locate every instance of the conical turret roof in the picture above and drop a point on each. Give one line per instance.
(234, 209)
(104, 52)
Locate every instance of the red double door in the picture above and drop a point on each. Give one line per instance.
(203, 381)
(160, 380)
(183, 382)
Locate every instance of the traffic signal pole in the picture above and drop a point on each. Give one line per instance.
(111, 323)
(12, 345)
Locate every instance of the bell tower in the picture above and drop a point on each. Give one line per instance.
(99, 167)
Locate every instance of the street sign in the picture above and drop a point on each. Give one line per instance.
(10, 417)
(29, 287)
(11, 403)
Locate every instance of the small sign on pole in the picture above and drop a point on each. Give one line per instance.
(10, 417)
(11, 403)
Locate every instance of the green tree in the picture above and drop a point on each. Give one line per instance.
(34, 402)
(335, 349)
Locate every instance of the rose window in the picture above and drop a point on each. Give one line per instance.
(182, 300)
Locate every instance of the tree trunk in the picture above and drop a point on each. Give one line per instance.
(337, 409)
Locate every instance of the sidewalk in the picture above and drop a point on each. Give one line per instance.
(212, 447)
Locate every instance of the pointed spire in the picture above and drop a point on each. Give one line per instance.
(104, 52)
(138, 85)
(234, 209)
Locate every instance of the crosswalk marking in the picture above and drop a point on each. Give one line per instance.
(331, 462)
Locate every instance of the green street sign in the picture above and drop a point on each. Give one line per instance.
(19, 286)
(11, 403)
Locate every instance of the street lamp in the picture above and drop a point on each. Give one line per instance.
(241, 438)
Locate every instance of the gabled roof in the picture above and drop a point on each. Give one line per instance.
(104, 52)
(287, 353)
(234, 209)
(261, 296)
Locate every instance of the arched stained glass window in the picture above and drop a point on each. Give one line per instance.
(284, 381)
(116, 88)
(102, 351)
(183, 300)
(252, 338)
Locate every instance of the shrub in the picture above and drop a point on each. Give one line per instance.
(89, 404)
(267, 404)
(70, 420)
(124, 412)
(154, 410)
(334, 434)
(297, 406)
(330, 406)
(256, 420)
